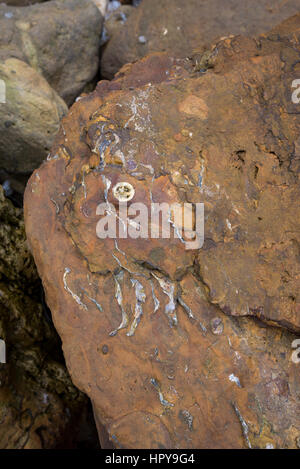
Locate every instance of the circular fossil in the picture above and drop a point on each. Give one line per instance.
(123, 191)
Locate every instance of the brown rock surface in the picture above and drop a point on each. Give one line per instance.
(178, 348)
(60, 39)
(179, 27)
(40, 408)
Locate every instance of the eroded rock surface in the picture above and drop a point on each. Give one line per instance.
(60, 39)
(181, 348)
(39, 406)
(179, 27)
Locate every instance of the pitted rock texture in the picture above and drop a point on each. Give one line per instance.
(29, 119)
(60, 39)
(40, 408)
(181, 348)
(180, 26)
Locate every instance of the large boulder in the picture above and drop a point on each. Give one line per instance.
(176, 347)
(178, 27)
(39, 406)
(29, 118)
(59, 38)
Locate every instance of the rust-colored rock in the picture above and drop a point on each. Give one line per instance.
(178, 27)
(182, 348)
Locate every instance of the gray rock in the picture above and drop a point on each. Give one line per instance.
(179, 27)
(59, 38)
(29, 120)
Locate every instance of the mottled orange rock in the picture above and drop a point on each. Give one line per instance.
(181, 348)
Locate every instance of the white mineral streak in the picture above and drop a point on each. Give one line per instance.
(109, 210)
(190, 313)
(176, 228)
(140, 112)
(244, 425)
(163, 401)
(228, 224)
(186, 308)
(74, 296)
(84, 185)
(56, 205)
(104, 141)
(118, 249)
(200, 181)
(123, 266)
(119, 298)
(140, 299)
(93, 300)
(234, 379)
(155, 299)
(107, 183)
(168, 289)
(148, 166)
